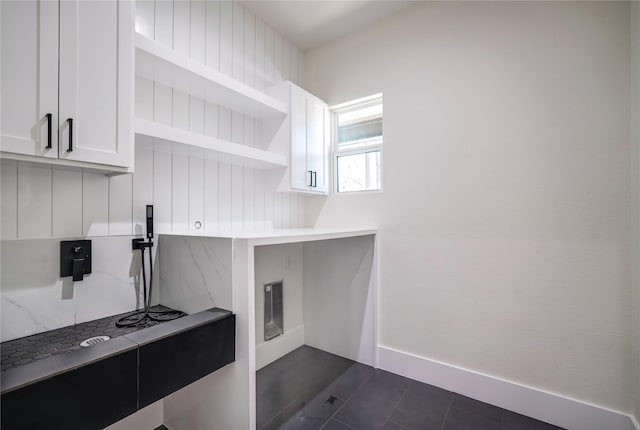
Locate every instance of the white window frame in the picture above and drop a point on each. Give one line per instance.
(335, 152)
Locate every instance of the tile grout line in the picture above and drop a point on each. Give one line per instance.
(341, 422)
(446, 415)
(399, 400)
(350, 397)
(288, 405)
(398, 424)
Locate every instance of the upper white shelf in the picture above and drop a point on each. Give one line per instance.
(228, 152)
(156, 62)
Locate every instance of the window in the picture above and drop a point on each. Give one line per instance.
(357, 137)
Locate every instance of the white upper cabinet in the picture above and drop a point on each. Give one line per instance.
(317, 142)
(79, 70)
(96, 81)
(29, 79)
(304, 135)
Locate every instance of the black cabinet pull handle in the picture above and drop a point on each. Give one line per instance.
(315, 179)
(70, 121)
(49, 117)
(310, 178)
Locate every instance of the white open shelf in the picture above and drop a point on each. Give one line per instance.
(165, 66)
(228, 152)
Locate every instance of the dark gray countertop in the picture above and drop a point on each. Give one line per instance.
(44, 355)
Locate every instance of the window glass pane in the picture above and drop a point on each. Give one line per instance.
(359, 172)
(360, 127)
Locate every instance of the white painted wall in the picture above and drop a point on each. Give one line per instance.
(505, 218)
(635, 193)
(275, 263)
(340, 297)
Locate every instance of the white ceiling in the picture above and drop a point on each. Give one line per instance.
(311, 23)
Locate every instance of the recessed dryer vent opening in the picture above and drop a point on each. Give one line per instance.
(273, 310)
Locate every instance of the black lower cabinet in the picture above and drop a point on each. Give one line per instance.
(89, 397)
(93, 388)
(174, 362)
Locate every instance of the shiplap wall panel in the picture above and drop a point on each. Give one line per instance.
(277, 209)
(121, 205)
(258, 208)
(142, 183)
(196, 115)
(163, 28)
(34, 202)
(259, 54)
(294, 63)
(211, 119)
(237, 174)
(277, 57)
(161, 186)
(198, 32)
(269, 56)
(238, 42)
(180, 187)
(95, 204)
(183, 186)
(67, 203)
(180, 116)
(211, 195)
(293, 209)
(237, 198)
(162, 104)
(226, 37)
(286, 60)
(212, 34)
(224, 196)
(181, 26)
(268, 209)
(286, 212)
(145, 17)
(249, 48)
(196, 190)
(144, 99)
(9, 190)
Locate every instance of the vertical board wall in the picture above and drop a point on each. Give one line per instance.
(185, 185)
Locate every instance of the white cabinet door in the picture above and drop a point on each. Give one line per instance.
(300, 177)
(29, 77)
(96, 81)
(316, 147)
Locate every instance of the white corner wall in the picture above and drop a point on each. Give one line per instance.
(340, 297)
(505, 218)
(635, 192)
(275, 263)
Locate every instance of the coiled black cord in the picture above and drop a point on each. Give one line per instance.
(139, 316)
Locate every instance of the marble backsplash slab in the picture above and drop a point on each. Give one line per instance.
(195, 273)
(190, 273)
(36, 299)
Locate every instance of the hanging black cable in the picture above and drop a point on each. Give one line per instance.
(139, 316)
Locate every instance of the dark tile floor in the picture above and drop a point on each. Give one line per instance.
(310, 389)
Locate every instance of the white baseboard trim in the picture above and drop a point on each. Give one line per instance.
(545, 406)
(270, 351)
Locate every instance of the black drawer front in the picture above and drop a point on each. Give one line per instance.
(169, 364)
(90, 397)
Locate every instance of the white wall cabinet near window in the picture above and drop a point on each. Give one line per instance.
(304, 135)
(67, 82)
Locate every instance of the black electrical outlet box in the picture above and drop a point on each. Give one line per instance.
(75, 258)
